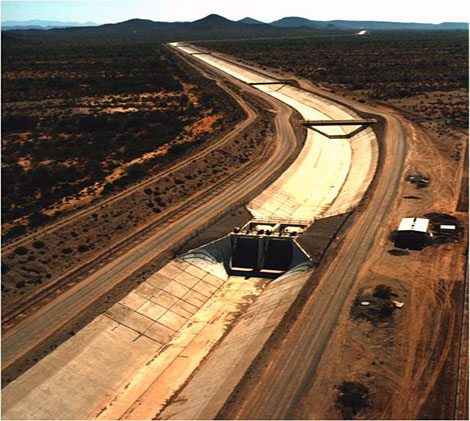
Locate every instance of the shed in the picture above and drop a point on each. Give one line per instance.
(412, 233)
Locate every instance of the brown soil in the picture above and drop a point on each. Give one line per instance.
(41, 260)
(81, 120)
(408, 361)
(408, 364)
(206, 125)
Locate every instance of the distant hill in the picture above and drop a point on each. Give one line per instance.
(213, 27)
(297, 22)
(208, 28)
(9, 25)
(369, 25)
(250, 21)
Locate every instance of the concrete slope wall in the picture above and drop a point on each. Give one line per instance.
(365, 154)
(336, 172)
(75, 379)
(310, 185)
(215, 380)
(329, 176)
(364, 150)
(212, 257)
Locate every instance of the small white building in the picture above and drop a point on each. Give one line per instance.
(412, 233)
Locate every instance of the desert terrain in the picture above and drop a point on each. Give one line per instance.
(49, 173)
(142, 178)
(184, 148)
(422, 73)
(385, 355)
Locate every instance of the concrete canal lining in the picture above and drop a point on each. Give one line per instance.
(330, 176)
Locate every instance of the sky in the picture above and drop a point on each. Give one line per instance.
(111, 11)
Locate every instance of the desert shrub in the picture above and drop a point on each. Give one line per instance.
(21, 251)
(387, 309)
(82, 248)
(39, 244)
(135, 171)
(18, 122)
(92, 123)
(352, 398)
(108, 188)
(178, 149)
(37, 218)
(382, 291)
(15, 231)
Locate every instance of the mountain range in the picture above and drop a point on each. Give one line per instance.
(210, 27)
(41, 24)
(296, 22)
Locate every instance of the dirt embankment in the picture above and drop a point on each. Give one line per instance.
(404, 361)
(134, 105)
(406, 357)
(39, 261)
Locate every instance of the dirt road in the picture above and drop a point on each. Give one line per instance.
(33, 330)
(277, 393)
(239, 127)
(297, 376)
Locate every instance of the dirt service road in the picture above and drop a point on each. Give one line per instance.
(283, 379)
(410, 368)
(31, 332)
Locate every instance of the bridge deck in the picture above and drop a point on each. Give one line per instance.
(276, 82)
(337, 122)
